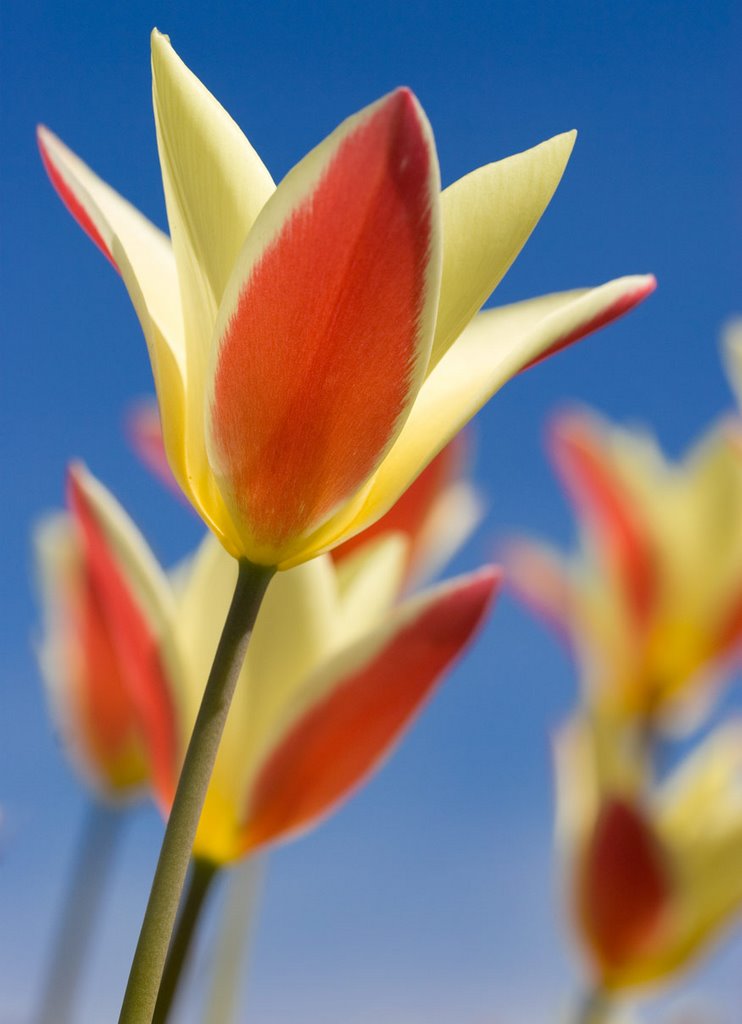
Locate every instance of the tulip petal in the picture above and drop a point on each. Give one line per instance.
(144, 431)
(144, 257)
(355, 708)
(430, 544)
(294, 632)
(608, 508)
(496, 345)
(87, 694)
(215, 185)
(136, 603)
(369, 583)
(312, 384)
(624, 888)
(487, 218)
(453, 519)
(541, 580)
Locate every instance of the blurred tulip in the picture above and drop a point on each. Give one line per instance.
(101, 660)
(652, 607)
(306, 340)
(313, 715)
(653, 871)
(109, 694)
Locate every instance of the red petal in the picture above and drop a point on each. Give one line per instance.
(110, 727)
(340, 740)
(601, 498)
(410, 513)
(135, 645)
(315, 366)
(624, 888)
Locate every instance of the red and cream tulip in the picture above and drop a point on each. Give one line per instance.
(315, 345)
(652, 607)
(652, 871)
(102, 656)
(314, 717)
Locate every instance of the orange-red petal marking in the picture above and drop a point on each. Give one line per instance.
(624, 888)
(343, 737)
(70, 199)
(110, 728)
(315, 366)
(623, 305)
(135, 645)
(603, 501)
(409, 514)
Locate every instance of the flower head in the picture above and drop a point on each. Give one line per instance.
(652, 608)
(652, 870)
(315, 345)
(102, 656)
(311, 718)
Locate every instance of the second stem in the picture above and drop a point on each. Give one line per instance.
(159, 918)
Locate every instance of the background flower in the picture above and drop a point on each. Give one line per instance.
(651, 607)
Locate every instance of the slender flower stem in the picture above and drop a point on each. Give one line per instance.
(90, 872)
(203, 873)
(159, 917)
(238, 920)
(594, 1008)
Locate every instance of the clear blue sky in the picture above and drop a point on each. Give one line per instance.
(430, 898)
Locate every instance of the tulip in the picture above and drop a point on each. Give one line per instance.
(311, 719)
(652, 607)
(652, 870)
(309, 342)
(99, 655)
(100, 659)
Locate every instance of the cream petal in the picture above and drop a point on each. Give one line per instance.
(487, 218)
(215, 185)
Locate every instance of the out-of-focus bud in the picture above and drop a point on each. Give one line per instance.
(653, 872)
(652, 607)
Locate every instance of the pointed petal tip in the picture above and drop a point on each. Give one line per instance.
(76, 478)
(569, 428)
(159, 40)
(483, 586)
(568, 138)
(632, 291)
(59, 163)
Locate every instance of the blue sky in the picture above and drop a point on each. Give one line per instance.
(431, 896)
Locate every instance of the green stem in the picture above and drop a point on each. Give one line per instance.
(594, 1008)
(159, 918)
(203, 873)
(90, 872)
(238, 920)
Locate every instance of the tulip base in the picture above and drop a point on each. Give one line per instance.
(159, 919)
